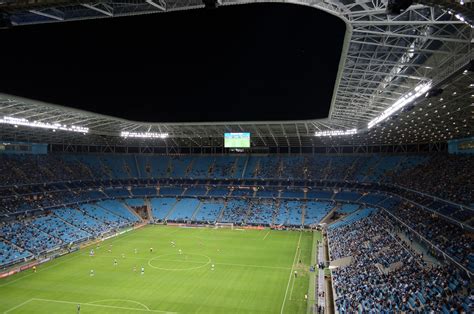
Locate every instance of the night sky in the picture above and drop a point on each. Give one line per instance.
(239, 63)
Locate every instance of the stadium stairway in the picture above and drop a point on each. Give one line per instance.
(136, 165)
(140, 219)
(242, 175)
(330, 213)
(355, 216)
(193, 217)
(148, 209)
(170, 211)
(105, 168)
(303, 213)
(221, 213)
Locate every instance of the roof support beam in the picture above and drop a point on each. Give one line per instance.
(403, 35)
(89, 6)
(161, 5)
(54, 17)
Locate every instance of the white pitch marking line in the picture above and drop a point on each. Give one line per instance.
(266, 235)
(195, 262)
(293, 284)
(99, 305)
(291, 273)
(18, 306)
(121, 300)
(40, 270)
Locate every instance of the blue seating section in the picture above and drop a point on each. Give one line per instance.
(161, 206)
(243, 192)
(348, 208)
(389, 202)
(60, 229)
(110, 219)
(184, 209)
(148, 191)
(170, 191)
(223, 168)
(268, 193)
(130, 164)
(293, 193)
(196, 191)
(180, 166)
(209, 210)
(316, 211)
(135, 202)
(319, 194)
(262, 213)
(81, 220)
(200, 167)
(118, 208)
(120, 192)
(372, 199)
(358, 215)
(10, 254)
(26, 236)
(347, 196)
(218, 192)
(235, 211)
(115, 165)
(295, 212)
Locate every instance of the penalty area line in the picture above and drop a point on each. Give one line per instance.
(18, 306)
(103, 306)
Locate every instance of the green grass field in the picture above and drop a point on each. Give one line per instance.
(253, 274)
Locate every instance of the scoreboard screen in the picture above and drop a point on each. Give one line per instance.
(237, 140)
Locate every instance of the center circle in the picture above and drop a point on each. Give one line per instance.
(175, 262)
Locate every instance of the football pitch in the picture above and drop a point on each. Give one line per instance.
(253, 273)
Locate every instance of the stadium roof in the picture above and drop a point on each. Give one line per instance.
(387, 65)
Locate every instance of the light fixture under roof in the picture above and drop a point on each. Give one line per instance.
(336, 132)
(400, 103)
(44, 125)
(143, 134)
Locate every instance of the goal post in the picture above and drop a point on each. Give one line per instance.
(227, 225)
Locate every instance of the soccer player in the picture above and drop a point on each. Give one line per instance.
(173, 244)
(78, 308)
(143, 270)
(296, 274)
(180, 252)
(151, 250)
(212, 267)
(91, 273)
(91, 253)
(135, 269)
(34, 269)
(115, 262)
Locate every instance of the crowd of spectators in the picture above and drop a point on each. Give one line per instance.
(386, 276)
(448, 237)
(444, 176)
(25, 169)
(449, 177)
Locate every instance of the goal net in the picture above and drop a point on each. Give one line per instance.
(227, 225)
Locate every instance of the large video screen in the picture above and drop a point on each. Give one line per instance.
(237, 140)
